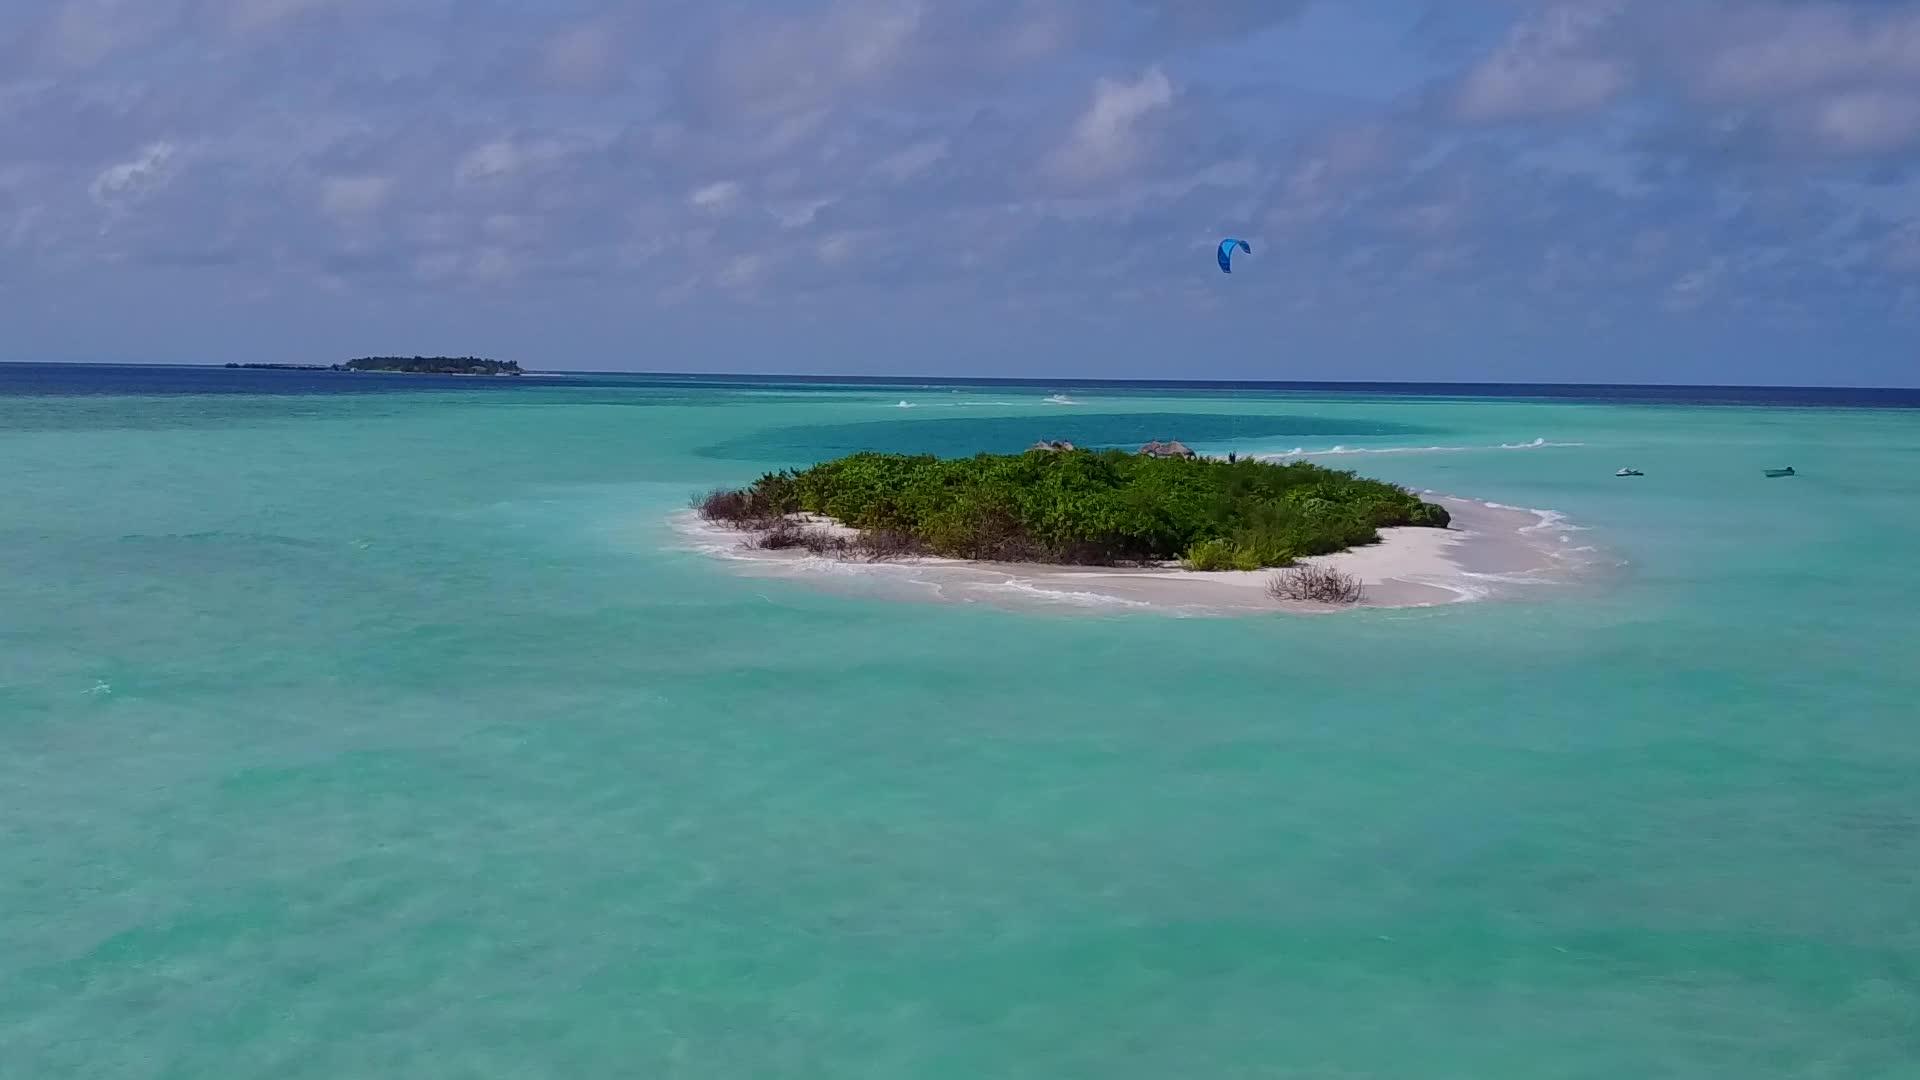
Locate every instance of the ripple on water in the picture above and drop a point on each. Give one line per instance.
(959, 437)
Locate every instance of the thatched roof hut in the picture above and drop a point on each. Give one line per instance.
(1160, 449)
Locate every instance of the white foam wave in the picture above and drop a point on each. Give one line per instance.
(1529, 577)
(1060, 399)
(1339, 450)
(718, 541)
(906, 405)
(1058, 596)
(1550, 520)
(824, 564)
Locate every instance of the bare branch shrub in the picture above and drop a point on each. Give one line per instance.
(724, 507)
(781, 535)
(1316, 585)
(883, 545)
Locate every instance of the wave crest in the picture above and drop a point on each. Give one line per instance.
(1337, 450)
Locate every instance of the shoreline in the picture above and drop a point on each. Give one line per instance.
(1490, 551)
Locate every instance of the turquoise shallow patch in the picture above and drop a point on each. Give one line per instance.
(390, 734)
(1007, 434)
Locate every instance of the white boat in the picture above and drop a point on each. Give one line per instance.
(1629, 472)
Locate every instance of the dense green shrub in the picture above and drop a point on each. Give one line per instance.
(1089, 507)
(1215, 554)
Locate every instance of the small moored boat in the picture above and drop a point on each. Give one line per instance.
(1629, 472)
(1788, 471)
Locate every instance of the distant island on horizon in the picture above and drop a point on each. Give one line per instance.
(406, 365)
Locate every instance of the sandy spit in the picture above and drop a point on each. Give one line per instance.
(1490, 551)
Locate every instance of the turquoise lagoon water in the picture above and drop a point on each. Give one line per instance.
(388, 733)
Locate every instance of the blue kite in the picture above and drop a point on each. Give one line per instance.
(1226, 252)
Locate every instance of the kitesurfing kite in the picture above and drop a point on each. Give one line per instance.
(1226, 252)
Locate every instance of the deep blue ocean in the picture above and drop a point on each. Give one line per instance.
(60, 379)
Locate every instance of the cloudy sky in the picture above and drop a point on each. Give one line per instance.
(1630, 190)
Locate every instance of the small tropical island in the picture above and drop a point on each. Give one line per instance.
(1062, 505)
(406, 365)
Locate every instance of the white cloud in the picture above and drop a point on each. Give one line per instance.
(1042, 35)
(931, 128)
(248, 16)
(877, 34)
(489, 160)
(78, 34)
(579, 56)
(835, 249)
(504, 158)
(20, 231)
(491, 264)
(1432, 218)
(1866, 121)
(717, 197)
(913, 161)
(1318, 185)
(792, 132)
(804, 62)
(131, 181)
(508, 228)
(741, 270)
(1544, 68)
(479, 266)
(1903, 247)
(354, 196)
(82, 33)
(800, 214)
(1777, 50)
(1106, 140)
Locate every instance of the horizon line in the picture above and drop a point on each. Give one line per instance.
(1046, 380)
(1215, 382)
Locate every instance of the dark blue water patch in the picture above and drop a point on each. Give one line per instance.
(180, 381)
(806, 444)
(650, 396)
(75, 398)
(146, 380)
(1819, 397)
(167, 379)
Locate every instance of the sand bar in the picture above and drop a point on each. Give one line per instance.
(1490, 551)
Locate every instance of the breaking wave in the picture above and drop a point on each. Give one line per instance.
(1057, 596)
(1549, 520)
(1336, 451)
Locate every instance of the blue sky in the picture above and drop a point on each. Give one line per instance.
(1620, 190)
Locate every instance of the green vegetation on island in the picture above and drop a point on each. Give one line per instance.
(408, 365)
(435, 365)
(1056, 504)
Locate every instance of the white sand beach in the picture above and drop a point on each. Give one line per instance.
(1490, 550)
